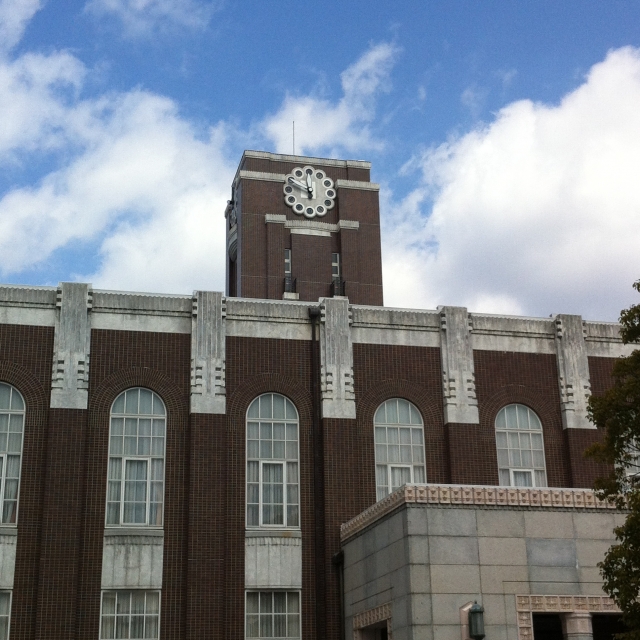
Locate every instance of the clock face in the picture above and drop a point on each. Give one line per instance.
(309, 192)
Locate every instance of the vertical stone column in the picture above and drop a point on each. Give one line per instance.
(471, 452)
(573, 372)
(336, 359)
(458, 378)
(577, 626)
(208, 353)
(70, 378)
(64, 485)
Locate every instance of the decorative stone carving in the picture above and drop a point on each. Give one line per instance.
(70, 379)
(336, 359)
(449, 494)
(576, 613)
(375, 616)
(208, 353)
(573, 372)
(458, 378)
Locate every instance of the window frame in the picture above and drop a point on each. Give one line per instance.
(284, 462)
(287, 592)
(287, 262)
(148, 458)
(394, 465)
(336, 267)
(6, 454)
(129, 591)
(533, 470)
(9, 592)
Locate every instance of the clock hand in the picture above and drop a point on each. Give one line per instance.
(309, 186)
(297, 184)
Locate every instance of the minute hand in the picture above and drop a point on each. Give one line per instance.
(298, 184)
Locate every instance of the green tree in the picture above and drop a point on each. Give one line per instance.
(617, 413)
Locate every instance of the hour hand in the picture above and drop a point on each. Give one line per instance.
(309, 185)
(298, 184)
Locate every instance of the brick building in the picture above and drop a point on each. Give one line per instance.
(181, 466)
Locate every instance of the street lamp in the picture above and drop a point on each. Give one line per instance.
(476, 621)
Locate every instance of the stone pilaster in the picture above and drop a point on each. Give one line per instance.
(336, 359)
(458, 378)
(70, 377)
(208, 353)
(573, 372)
(577, 626)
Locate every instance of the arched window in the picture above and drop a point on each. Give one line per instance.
(520, 447)
(272, 463)
(11, 430)
(135, 491)
(399, 441)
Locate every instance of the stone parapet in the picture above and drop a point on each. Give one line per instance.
(467, 495)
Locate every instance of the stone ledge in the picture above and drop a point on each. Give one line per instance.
(133, 531)
(329, 162)
(357, 184)
(472, 495)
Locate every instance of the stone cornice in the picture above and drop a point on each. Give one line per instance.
(472, 495)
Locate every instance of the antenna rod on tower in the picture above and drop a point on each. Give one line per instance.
(294, 137)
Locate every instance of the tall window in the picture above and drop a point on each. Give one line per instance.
(520, 447)
(135, 491)
(130, 614)
(272, 614)
(272, 463)
(399, 441)
(5, 614)
(287, 262)
(335, 266)
(11, 430)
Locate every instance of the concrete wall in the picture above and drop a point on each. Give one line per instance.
(429, 561)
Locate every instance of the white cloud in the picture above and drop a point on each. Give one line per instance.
(334, 127)
(14, 17)
(134, 176)
(143, 17)
(34, 97)
(538, 212)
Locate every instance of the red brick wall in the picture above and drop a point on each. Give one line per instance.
(387, 371)
(25, 362)
(160, 362)
(472, 454)
(311, 265)
(206, 596)
(584, 471)
(600, 370)
(256, 366)
(276, 244)
(528, 378)
(58, 610)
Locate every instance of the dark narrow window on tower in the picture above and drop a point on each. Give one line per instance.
(337, 285)
(289, 280)
(287, 262)
(335, 266)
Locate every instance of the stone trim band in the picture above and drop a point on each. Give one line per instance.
(526, 606)
(448, 494)
(371, 617)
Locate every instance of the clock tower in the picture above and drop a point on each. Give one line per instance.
(302, 228)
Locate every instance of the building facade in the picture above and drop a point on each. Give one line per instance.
(180, 466)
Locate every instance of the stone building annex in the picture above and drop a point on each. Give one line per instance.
(293, 459)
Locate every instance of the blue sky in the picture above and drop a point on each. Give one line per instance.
(505, 136)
